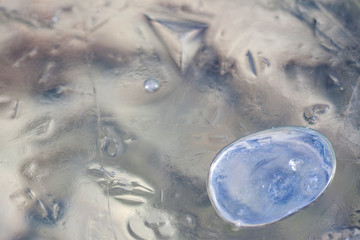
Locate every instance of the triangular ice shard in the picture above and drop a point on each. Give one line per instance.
(182, 38)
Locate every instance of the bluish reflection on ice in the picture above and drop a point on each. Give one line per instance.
(269, 175)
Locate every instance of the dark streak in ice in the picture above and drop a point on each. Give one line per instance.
(251, 62)
(100, 25)
(13, 115)
(266, 61)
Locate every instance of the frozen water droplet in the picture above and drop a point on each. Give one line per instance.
(151, 85)
(182, 38)
(111, 142)
(295, 163)
(254, 174)
(112, 147)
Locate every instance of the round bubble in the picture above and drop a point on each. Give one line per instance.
(151, 85)
(269, 175)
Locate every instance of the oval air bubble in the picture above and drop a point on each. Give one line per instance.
(269, 175)
(151, 85)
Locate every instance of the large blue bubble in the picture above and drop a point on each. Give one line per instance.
(266, 176)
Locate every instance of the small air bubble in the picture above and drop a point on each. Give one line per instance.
(151, 85)
(111, 146)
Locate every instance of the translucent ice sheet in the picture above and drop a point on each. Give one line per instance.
(112, 112)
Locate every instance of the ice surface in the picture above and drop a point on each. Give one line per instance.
(87, 153)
